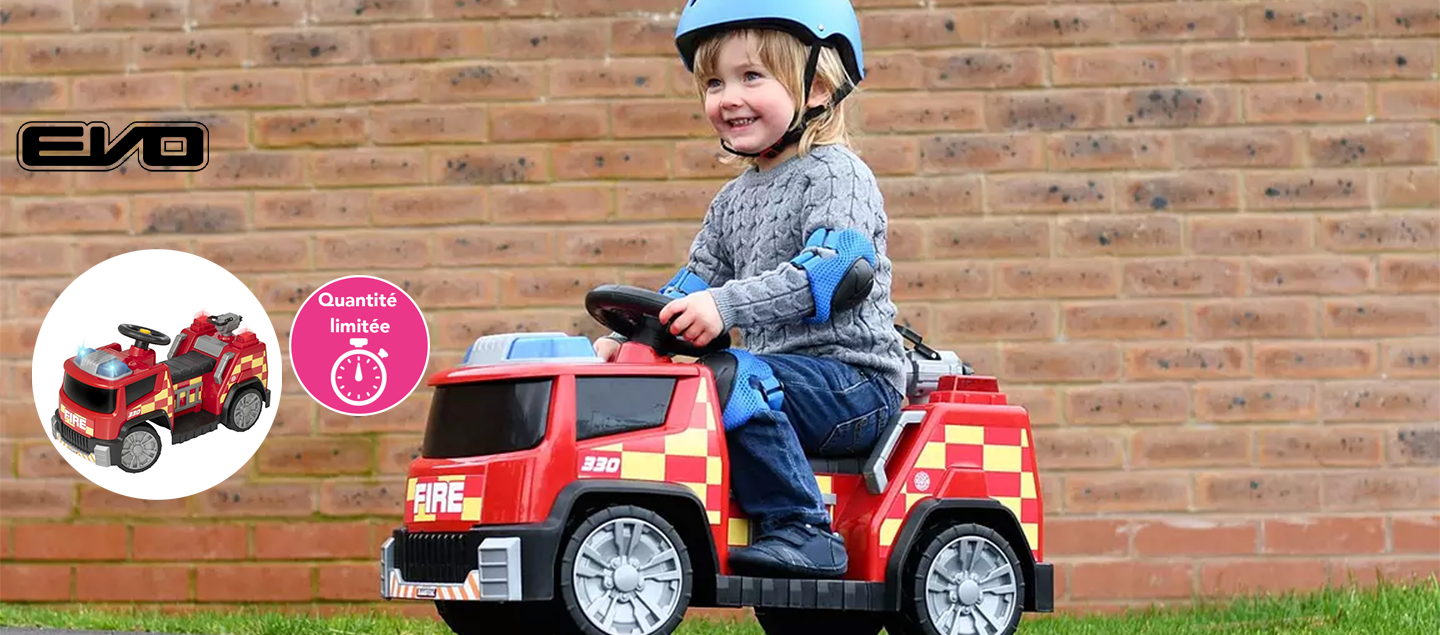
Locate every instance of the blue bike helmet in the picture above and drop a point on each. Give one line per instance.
(816, 23)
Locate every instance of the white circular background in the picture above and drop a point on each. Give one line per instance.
(162, 290)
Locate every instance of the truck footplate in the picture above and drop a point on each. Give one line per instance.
(189, 426)
(849, 595)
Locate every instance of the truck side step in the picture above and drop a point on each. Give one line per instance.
(847, 595)
(189, 426)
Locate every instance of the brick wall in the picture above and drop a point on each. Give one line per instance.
(1205, 259)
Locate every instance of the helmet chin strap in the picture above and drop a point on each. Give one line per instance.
(793, 134)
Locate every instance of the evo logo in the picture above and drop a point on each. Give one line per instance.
(76, 146)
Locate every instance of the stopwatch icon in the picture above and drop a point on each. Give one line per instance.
(358, 376)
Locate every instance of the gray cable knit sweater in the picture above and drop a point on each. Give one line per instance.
(759, 221)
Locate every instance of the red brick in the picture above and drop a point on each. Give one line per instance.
(125, 583)
(223, 89)
(1325, 535)
(1380, 401)
(132, 91)
(889, 155)
(1255, 401)
(650, 35)
(581, 203)
(251, 169)
(71, 542)
(1377, 144)
(32, 583)
(427, 41)
(1065, 536)
(347, 581)
(1127, 403)
(547, 39)
(548, 287)
(487, 165)
(931, 196)
(190, 50)
(59, 54)
(612, 160)
(1409, 274)
(1314, 360)
(1261, 576)
(374, 84)
(612, 78)
(1169, 22)
(1261, 61)
(335, 208)
(701, 159)
(632, 245)
(1080, 450)
(96, 501)
(1049, 25)
(248, 12)
(647, 118)
(374, 249)
(981, 152)
(553, 122)
(1407, 187)
(1398, 316)
(1256, 491)
(1371, 59)
(25, 95)
(429, 206)
(250, 583)
(1412, 572)
(1058, 278)
(343, 11)
(251, 499)
(428, 124)
(1189, 447)
(1238, 147)
(991, 321)
(16, 181)
(1251, 234)
(320, 455)
(899, 70)
(922, 112)
(1181, 361)
(1042, 403)
(1306, 103)
(1382, 490)
(369, 498)
(607, 7)
(191, 542)
(1412, 358)
(1124, 493)
(1309, 275)
(1308, 18)
(396, 453)
(1407, 18)
(408, 416)
(1114, 66)
(27, 16)
(319, 128)
(1110, 151)
(1050, 193)
(1047, 110)
(1049, 362)
(356, 167)
(919, 30)
(1182, 277)
(1274, 317)
(1415, 534)
(123, 14)
(1312, 446)
(73, 215)
(1127, 319)
(938, 280)
(1367, 232)
(466, 10)
(973, 68)
(307, 47)
(1198, 537)
(314, 541)
(1173, 107)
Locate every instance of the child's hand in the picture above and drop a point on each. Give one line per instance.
(697, 318)
(607, 348)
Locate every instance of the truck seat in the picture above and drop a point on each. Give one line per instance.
(189, 366)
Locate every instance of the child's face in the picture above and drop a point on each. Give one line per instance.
(746, 104)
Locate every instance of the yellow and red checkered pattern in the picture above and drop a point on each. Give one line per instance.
(183, 395)
(691, 457)
(740, 530)
(1003, 453)
(160, 400)
(252, 365)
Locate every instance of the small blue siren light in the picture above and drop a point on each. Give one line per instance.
(530, 347)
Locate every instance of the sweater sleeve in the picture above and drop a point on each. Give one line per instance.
(833, 199)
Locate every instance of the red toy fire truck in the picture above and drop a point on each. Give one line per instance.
(555, 492)
(113, 400)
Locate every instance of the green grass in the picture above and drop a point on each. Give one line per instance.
(1386, 609)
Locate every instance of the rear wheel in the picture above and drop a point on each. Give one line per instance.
(139, 448)
(967, 580)
(245, 406)
(808, 621)
(625, 571)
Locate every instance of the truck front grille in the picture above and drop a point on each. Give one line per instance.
(435, 557)
(86, 444)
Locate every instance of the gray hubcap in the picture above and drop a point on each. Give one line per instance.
(970, 588)
(627, 577)
(247, 410)
(139, 450)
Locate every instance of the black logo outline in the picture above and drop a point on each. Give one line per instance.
(149, 146)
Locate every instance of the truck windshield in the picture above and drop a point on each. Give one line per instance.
(489, 417)
(101, 400)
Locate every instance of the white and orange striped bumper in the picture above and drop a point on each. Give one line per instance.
(495, 578)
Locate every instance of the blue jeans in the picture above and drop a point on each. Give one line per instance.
(831, 409)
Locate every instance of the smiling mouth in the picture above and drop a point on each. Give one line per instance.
(742, 122)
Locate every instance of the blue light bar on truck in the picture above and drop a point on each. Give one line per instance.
(530, 347)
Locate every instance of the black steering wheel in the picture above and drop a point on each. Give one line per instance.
(635, 313)
(144, 337)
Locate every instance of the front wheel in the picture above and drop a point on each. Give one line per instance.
(139, 448)
(625, 571)
(967, 581)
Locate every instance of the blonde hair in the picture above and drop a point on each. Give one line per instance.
(785, 56)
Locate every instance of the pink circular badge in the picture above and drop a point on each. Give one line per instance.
(359, 345)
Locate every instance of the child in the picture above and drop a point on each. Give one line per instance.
(792, 252)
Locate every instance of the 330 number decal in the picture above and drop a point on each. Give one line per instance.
(600, 464)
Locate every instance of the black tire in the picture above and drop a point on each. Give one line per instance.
(776, 621)
(144, 436)
(996, 613)
(246, 417)
(486, 618)
(610, 580)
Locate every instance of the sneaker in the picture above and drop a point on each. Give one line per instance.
(794, 550)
